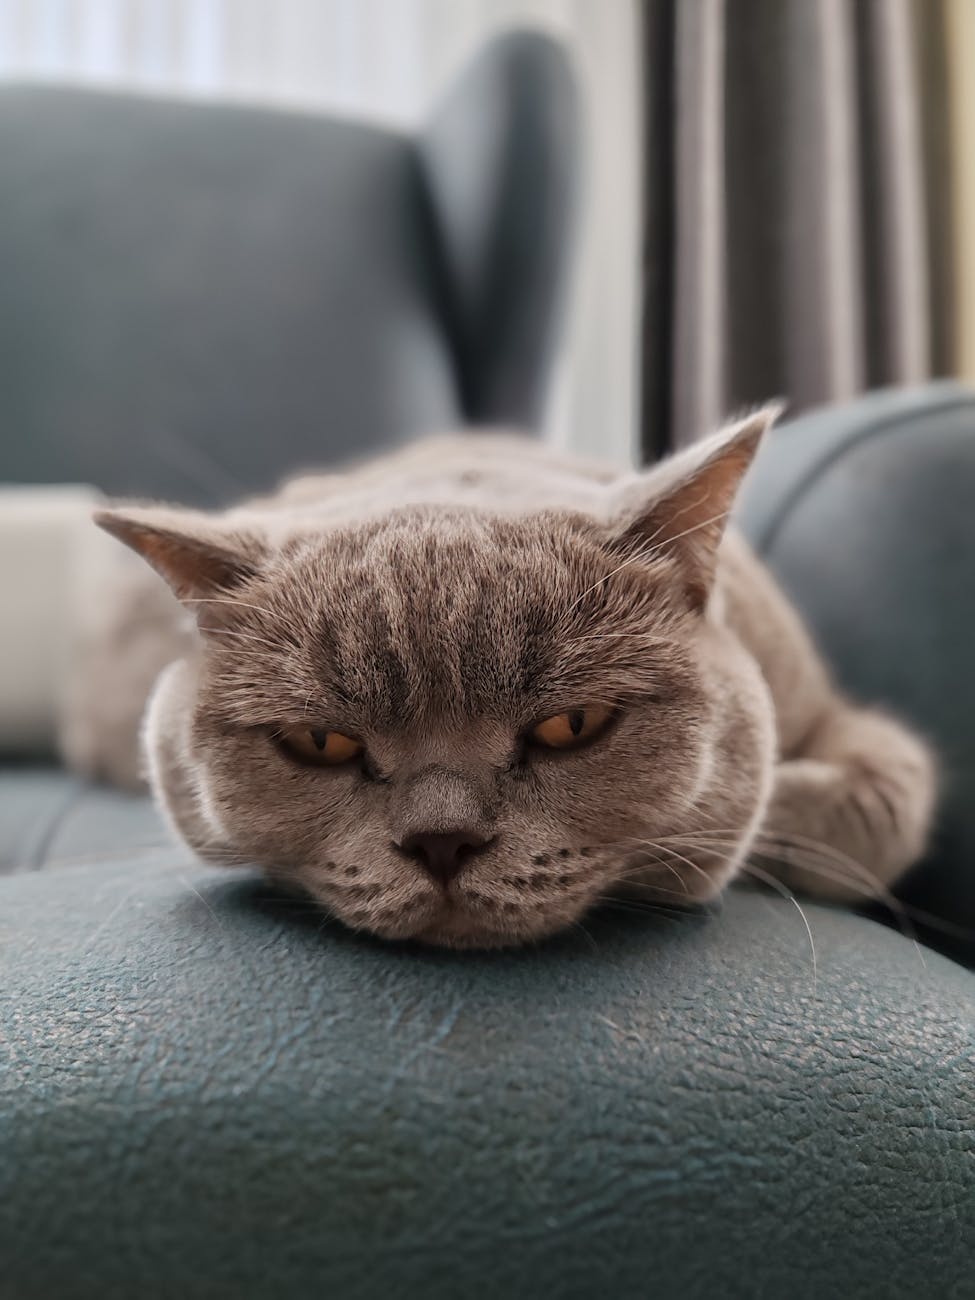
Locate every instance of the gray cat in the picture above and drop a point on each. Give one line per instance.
(463, 693)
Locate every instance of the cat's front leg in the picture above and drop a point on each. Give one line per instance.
(851, 811)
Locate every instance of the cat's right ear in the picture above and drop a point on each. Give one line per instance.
(681, 507)
(198, 558)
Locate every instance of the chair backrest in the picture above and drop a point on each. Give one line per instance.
(197, 299)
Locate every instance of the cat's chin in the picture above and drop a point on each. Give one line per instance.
(473, 936)
(453, 926)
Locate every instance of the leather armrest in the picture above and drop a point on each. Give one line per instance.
(865, 513)
(206, 1091)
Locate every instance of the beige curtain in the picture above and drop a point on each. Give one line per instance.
(796, 215)
(960, 47)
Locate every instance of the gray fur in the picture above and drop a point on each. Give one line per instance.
(435, 605)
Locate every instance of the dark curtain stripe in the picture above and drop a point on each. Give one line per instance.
(821, 215)
(756, 153)
(658, 227)
(930, 37)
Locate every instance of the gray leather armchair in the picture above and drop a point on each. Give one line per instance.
(206, 1092)
(199, 299)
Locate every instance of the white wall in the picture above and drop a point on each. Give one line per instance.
(386, 59)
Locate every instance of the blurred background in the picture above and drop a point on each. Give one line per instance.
(388, 61)
(776, 196)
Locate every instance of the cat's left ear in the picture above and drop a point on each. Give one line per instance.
(681, 507)
(197, 554)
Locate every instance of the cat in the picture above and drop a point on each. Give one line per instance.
(464, 692)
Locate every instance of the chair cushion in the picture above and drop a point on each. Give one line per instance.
(208, 1091)
(48, 817)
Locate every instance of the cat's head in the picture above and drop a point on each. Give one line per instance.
(466, 726)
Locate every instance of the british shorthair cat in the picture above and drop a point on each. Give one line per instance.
(463, 693)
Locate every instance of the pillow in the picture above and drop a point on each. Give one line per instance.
(50, 554)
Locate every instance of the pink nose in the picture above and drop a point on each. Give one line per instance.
(443, 854)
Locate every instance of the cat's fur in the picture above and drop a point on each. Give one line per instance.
(437, 603)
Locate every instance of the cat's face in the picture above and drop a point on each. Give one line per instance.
(465, 728)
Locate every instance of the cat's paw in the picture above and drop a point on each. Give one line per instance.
(844, 831)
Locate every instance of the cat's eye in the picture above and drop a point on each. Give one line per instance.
(316, 747)
(563, 730)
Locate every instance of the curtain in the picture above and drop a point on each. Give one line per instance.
(799, 210)
(959, 44)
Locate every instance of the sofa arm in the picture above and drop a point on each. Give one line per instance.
(208, 1092)
(865, 512)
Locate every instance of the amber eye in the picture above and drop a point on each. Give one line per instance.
(564, 730)
(317, 747)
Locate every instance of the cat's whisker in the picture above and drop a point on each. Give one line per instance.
(653, 844)
(221, 856)
(803, 854)
(228, 600)
(245, 636)
(646, 848)
(648, 550)
(871, 889)
(193, 890)
(797, 844)
(727, 844)
(643, 553)
(874, 891)
(807, 855)
(704, 523)
(790, 838)
(641, 907)
(669, 866)
(636, 639)
(577, 925)
(635, 879)
(635, 875)
(786, 893)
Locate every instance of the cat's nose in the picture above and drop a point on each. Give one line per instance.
(442, 854)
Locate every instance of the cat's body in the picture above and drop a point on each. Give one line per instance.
(543, 683)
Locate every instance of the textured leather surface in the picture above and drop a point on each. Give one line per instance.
(198, 299)
(866, 514)
(206, 1093)
(48, 817)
